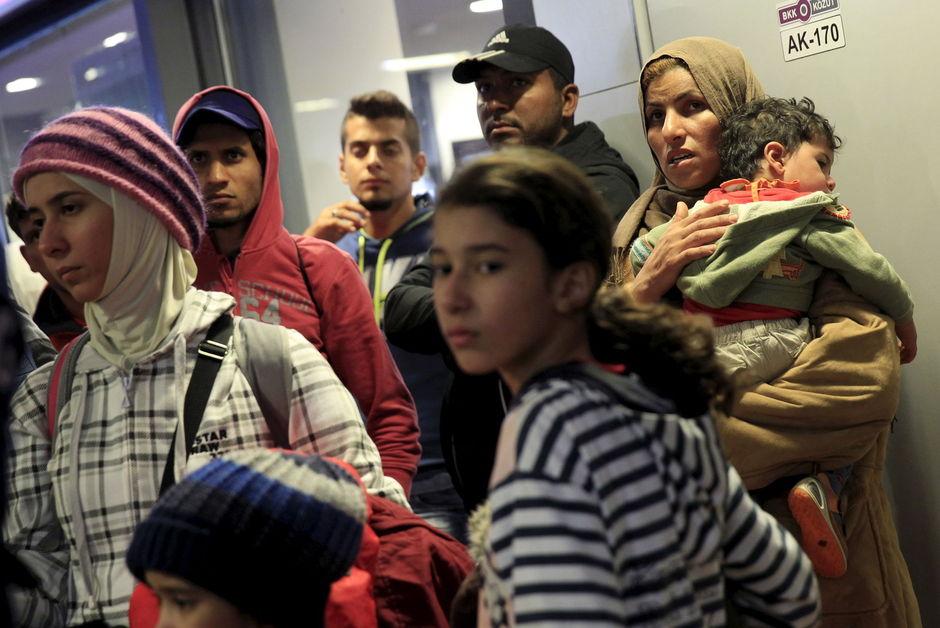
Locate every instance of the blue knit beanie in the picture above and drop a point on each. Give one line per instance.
(269, 531)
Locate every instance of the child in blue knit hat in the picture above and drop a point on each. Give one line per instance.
(253, 538)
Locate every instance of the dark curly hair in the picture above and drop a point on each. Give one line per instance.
(755, 124)
(547, 196)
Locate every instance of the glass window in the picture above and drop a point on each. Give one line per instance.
(333, 51)
(93, 57)
(448, 30)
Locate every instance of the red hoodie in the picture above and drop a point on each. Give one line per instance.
(267, 282)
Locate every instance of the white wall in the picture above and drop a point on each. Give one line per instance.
(334, 50)
(881, 91)
(602, 41)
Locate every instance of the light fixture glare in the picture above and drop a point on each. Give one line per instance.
(318, 104)
(486, 6)
(23, 84)
(115, 39)
(425, 62)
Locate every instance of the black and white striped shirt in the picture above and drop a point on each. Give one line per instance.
(608, 509)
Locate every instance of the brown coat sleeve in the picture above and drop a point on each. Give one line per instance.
(832, 404)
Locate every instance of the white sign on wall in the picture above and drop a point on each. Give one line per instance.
(808, 27)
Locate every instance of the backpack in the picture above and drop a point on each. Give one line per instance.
(407, 589)
(264, 351)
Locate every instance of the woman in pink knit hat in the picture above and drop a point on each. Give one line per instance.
(122, 213)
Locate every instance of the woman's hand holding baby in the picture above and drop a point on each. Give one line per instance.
(689, 237)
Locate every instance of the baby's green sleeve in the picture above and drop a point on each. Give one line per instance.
(643, 246)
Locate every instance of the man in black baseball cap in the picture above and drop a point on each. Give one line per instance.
(532, 48)
(526, 95)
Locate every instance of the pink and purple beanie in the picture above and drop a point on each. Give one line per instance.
(127, 151)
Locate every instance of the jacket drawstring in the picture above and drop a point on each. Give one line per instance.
(378, 299)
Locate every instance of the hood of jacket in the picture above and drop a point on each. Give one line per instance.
(267, 221)
(424, 211)
(586, 146)
(629, 387)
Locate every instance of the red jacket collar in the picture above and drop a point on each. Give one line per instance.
(268, 218)
(744, 191)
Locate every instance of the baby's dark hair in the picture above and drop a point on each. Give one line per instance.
(753, 125)
(547, 196)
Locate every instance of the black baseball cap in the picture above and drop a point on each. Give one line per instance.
(518, 48)
(219, 106)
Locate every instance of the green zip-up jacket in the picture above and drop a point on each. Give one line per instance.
(775, 252)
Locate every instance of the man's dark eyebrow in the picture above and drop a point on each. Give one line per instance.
(191, 149)
(387, 142)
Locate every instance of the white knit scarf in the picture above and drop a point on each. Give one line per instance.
(148, 276)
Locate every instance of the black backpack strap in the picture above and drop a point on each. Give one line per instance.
(212, 350)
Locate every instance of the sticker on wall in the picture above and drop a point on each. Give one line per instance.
(808, 27)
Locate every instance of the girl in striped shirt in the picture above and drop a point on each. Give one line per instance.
(610, 501)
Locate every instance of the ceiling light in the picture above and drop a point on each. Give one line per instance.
(115, 39)
(23, 84)
(320, 104)
(426, 62)
(485, 6)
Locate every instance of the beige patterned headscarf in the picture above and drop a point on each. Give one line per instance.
(727, 81)
(148, 276)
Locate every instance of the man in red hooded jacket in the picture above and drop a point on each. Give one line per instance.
(300, 282)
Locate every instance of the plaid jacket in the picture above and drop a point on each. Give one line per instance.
(74, 501)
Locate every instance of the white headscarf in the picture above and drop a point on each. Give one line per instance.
(148, 276)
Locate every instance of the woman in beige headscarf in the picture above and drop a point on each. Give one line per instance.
(835, 405)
